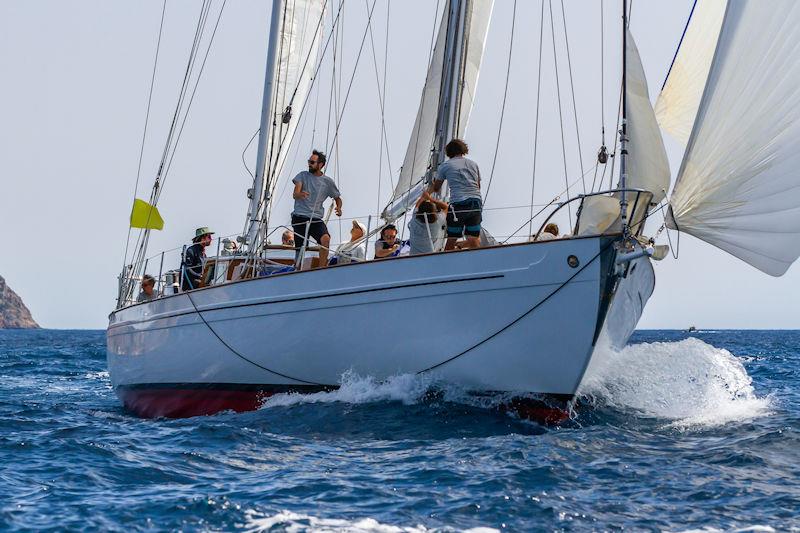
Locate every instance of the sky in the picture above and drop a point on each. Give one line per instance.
(74, 98)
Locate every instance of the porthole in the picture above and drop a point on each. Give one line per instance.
(573, 261)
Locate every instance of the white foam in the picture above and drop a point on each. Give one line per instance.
(355, 389)
(688, 382)
(294, 522)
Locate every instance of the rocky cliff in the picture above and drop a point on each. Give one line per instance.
(13, 313)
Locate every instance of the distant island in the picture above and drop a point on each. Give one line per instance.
(13, 312)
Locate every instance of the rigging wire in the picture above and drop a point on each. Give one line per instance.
(191, 98)
(505, 96)
(421, 112)
(355, 69)
(244, 162)
(382, 102)
(143, 237)
(146, 122)
(536, 124)
(602, 99)
(572, 90)
(619, 117)
(277, 171)
(560, 113)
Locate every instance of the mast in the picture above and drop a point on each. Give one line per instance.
(258, 194)
(623, 137)
(449, 112)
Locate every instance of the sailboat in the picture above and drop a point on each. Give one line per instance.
(545, 306)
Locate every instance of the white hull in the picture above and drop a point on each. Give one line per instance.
(512, 318)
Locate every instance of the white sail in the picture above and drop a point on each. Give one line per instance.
(296, 45)
(647, 164)
(648, 167)
(677, 104)
(738, 187)
(418, 153)
(301, 37)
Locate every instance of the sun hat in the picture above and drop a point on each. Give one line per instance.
(360, 225)
(199, 232)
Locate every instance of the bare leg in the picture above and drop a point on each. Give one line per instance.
(473, 242)
(450, 244)
(324, 243)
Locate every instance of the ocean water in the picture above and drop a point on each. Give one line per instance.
(678, 432)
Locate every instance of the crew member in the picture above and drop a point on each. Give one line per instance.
(311, 189)
(194, 258)
(464, 178)
(148, 284)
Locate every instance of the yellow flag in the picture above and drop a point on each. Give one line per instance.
(145, 216)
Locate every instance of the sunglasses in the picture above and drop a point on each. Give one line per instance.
(312, 162)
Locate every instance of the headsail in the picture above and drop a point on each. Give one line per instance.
(738, 187)
(295, 45)
(647, 164)
(648, 167)
(418, 153)
(677, 104)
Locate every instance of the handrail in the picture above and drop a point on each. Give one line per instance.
(582, 197)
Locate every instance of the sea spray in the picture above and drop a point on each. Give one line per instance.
(355, 389)
(688, 382)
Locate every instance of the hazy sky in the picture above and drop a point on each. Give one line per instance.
(72, 105)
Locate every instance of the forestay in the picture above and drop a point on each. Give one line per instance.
(738, 187)
(648, 167)
(676, 107)
(418, 153)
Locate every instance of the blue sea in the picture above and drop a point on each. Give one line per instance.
(678, 432)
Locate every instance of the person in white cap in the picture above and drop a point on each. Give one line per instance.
(355, 250)
(194, 258)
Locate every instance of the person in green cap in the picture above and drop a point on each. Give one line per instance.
(194, 258)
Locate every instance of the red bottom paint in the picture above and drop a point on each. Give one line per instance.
(183, 403)
(540, 411)
(177, 402)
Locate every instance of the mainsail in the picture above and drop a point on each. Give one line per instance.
(677, 104)
(738, 187)
(420, 146)
(296, 43)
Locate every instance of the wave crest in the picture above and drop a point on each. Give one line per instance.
(688, 382)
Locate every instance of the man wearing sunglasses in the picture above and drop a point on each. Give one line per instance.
(311, 189)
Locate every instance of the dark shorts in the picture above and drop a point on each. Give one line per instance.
(316, 229)
(464, 218)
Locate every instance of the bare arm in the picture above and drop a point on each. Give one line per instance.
(426, 197)
(385, 252)
(338, 201)
(299, 193)
(436, 186)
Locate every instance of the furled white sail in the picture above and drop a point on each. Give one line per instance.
(648, 167)
(677, 104)
(739, 184)
(296, 46)
(301, 36)
(418, 153)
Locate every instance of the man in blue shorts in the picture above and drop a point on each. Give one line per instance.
(311, 189)
(464, 178)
